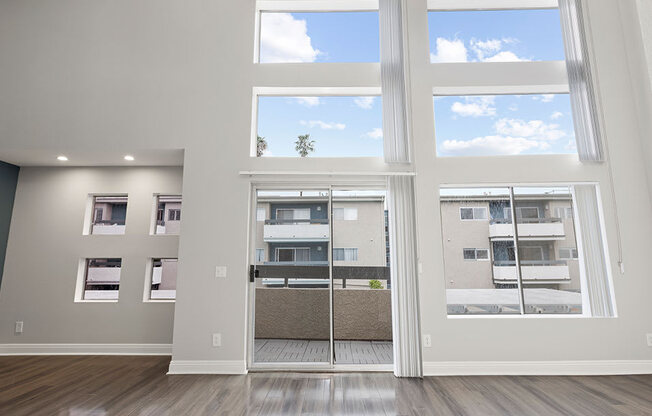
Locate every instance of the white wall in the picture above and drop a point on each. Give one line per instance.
(46, 244)
(174, 74)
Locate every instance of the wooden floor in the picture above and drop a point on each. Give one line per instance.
(304, 351)
(91, 385)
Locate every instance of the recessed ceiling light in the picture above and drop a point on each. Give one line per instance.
(62, 158)
(129, 158)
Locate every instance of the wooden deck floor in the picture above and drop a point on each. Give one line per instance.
(130, 386)
(303, 351)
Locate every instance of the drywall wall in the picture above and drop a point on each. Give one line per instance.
(171, 74)
(8, 181)
(46, 244)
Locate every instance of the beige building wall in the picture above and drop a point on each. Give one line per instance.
(366, 233)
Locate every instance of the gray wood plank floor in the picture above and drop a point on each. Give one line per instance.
(304, 351)
(138, 386)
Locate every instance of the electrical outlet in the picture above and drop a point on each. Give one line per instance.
(220, 271)
(649, 340)
(19, 327)
(217, 340)
(427, 341)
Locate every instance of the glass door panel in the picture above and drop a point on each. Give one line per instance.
(362, 319)
(291, 278)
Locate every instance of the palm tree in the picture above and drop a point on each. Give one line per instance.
(261, 146)
(304, 145)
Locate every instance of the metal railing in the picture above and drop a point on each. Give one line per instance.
(109, 222)
(292, 221)
(317, 271)
(512, 263)
(525, 220)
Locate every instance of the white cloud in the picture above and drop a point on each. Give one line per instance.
(513, 107)
(364, 102)
(308, 101)
(490, 145)
(449, 51)
(556, 115)
(481, 48)
(475, 107)
(323, 125)
(285, 39)
(505, 56)
(544, 98)
(534, 129)
(376, 133)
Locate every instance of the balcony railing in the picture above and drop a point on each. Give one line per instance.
(109, 227)
(528, 228)
(308, 230)
(532, 271)
(312, 273)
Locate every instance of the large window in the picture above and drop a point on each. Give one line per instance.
(539, 280)
(495, 36)
(319, 126)
(345, 254)
(310, 37)
(168, 214)
(488, 125)
(100, 279)
(163, 279)
(108, 214)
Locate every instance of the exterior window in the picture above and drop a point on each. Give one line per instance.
(102, 279)
(109, 214)
(568, 253)
(345, 254)
(346, 214)
(550, 285)
(293, 254)
(474, 213)
(168, 206)
(476, 254)
(308, 37)
(164, 279)
(318, 126)
(260, 255)
(174, 215)
(564, 212)
(495, 36)
(288, 216)
(492, 125)
(260, 214)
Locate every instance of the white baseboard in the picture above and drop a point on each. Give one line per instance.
(532, 368)
(207, 367)
(85, 349)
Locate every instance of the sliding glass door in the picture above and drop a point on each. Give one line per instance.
(319, 279)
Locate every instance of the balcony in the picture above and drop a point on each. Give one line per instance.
(296, 231)
(103, 276)
(533, 272)
(109, 227)
(528, 229)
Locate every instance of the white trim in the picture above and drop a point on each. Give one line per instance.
(85, 349)
(517, 368)
(353, 175)
(296, 6)
(207, 367)
(439, 5)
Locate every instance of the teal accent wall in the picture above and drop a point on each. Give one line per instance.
(8, 182)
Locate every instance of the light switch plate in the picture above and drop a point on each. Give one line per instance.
(220, 271)
(19, 327)
(217, 340)
(649, 340)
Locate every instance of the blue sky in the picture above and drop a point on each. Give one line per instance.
(351, 126)
(340, 126)
(496, 35)
(504, 125)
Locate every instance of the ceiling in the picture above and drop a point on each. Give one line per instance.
(92, 157)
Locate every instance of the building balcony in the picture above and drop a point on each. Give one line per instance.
(528, 229)
(103, 276)
(109, 227)
(296, 231)
(532, 272)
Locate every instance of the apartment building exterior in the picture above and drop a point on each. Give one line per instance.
(478, 242)
(296, 231)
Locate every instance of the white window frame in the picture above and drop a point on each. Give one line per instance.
(258, 256)
(261, 214)
(80, 286)
(344, 250)
(570, 251)
(453, 5)
(340, 213)
(486, 214)
(475, 254)
(149, 274)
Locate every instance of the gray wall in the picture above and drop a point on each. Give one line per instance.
(45, 247)
(8, 182)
